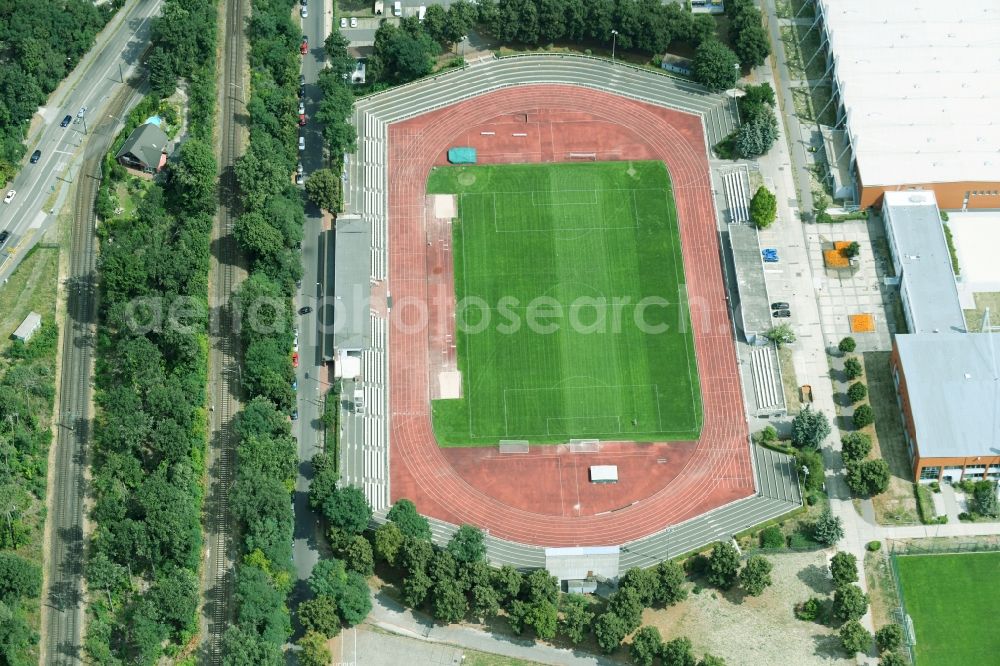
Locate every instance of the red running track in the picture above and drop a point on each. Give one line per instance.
(544, 497)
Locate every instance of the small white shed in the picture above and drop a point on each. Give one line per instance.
(28, 327)
(604, 473)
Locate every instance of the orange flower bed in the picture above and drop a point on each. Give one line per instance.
(835, 259)
(840, 246)
(862, 323)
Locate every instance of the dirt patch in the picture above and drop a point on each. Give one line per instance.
(759, 630)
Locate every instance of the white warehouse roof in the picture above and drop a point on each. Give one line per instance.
(918, 83)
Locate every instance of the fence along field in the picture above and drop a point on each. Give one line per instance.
(599, 244)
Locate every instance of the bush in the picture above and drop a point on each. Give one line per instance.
(772, 538)
(844, 569)
(853, 368)
(984, 499)
(828, 529)
(857, 392)
(854, 637)
(863, 416)
(868, 478)
(855, 447)
(815, 472)
(849, 603)
(847, 345)
(809, 428)
(809, 609)
(889, 638)
(763, 208)
(873, 546)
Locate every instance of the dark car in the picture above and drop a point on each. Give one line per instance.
(782, 314)
(302, 79)
(35, 156)
(780, 305)
(66, 121)
(302, 91)
(4, 235)
(305, 309)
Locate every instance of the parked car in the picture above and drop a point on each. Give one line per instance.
(299, 179)
(770, 254)
(295, 385)
(302, 107)
(304, 46)
(354, 22)
(83, 110)
(343, 22)
(35, 156)
(66, 121)
(302, 120)
(302, 79)
(295, 341)
(304, 11)
(782, 314)
(305, 309)
(302, 143)
(780, 305)
(10, 196)
(295, 415)
(4, 235)
(298, 168)
(295, 359)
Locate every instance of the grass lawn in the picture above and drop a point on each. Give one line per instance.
(954, 607)
(578, 268)
(32, 287)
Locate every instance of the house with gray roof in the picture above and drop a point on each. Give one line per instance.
(145, 149)
(948, 388)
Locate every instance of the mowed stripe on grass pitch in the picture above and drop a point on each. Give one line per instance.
(954, 605)
(590, 253)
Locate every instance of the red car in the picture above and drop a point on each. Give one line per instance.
(304, 46)
(302, 119)
(295, 359)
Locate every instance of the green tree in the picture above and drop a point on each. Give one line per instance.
(844, 569)
(354, 603)
(752, 46)
(711, 660)
(610, 630)
(388, 542)
(415, 588)
(669, 584)
(847, 345)
(772, 538)
(809, 428)
(323, 189)
(892, 659)
(643, 581)
(828, 529)
(435, 20)
(467, 544)
(450, 604)
(19, 578)
(507, 582)
(702, 29)
(868, 477)
(863, 416)
(763, 208)
(544, 619)
(849, 603)
(359, 557)
(756, 575)
(723, 565)
(540, 585)
(324, 481)
(852, 250)
(889, 638)
(857, 392)
(255, 234)
(162, 77)
(576, 617)
(16, 636)
(313, 650)
(243, 646)
(193, 176)
(485, 602)
(319, 614)
(715, 66)
(855, 446)
(852, 368)
(348, 510)
(626, 604)
(780, 335)
(678, 652)
(854, 637)
(410, 523)
(757, 133)
(984, 499)
(416, 554)
(646, 646)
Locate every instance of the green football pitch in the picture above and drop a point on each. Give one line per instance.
(954, 605)
(572, 320)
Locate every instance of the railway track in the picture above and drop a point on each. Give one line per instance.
(224, 378)
(63, 606)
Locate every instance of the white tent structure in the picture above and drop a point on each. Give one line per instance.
(918, 95)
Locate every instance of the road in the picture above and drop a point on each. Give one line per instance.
(226, 271)
(92, 84)
(310, 374)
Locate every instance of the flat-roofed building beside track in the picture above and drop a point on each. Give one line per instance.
(948, 388)
(916, 93)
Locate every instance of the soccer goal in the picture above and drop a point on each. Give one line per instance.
(513, 446)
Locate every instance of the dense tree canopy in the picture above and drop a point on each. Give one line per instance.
(715, 66)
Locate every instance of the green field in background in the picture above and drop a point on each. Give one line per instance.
(954, 605)
(593, 241)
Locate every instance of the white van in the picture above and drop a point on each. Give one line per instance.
(397, 8)
(421, 11)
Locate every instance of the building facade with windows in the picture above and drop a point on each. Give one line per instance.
(948, 389)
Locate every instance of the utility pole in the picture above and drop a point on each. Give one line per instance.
(614, 40)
